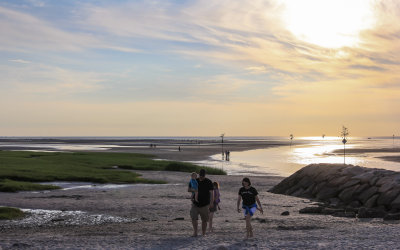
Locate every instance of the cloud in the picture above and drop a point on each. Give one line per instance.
(23, 32)
(48, 81)
(195, 60)
(19, 61)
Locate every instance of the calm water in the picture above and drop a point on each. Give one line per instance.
(286, 160)
(282, 161)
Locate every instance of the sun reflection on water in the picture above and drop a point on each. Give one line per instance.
(286, 160)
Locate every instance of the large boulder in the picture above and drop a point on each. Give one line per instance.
(374, 192)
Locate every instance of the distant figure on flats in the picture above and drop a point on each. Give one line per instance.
(227, 154)
(249, 195)
(216, 205)
(206, 201)
(193, 184)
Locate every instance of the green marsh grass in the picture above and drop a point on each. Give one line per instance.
(10, 213)
(18, 169)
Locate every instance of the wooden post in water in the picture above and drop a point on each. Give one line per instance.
(344, 134)
(291, 139)
(222, 144)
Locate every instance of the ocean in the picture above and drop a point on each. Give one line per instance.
(281, 161)
(285, 160)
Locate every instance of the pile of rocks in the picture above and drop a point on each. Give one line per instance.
(366, 192)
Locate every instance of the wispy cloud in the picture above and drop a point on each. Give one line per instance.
(234, 54)
(19, 61)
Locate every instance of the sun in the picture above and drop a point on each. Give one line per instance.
(328, 23)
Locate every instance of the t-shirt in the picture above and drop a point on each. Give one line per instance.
(248, 195)
(204, 188)
(193, 184)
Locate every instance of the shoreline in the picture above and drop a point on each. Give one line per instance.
(392, 158)
(166, 149)
(157, 216)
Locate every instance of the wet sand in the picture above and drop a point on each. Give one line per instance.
(356, 151)
(157, 217)
(168, 149)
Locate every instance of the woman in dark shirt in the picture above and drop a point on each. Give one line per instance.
(249, 195)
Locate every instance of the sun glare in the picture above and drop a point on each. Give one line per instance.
(328, 23)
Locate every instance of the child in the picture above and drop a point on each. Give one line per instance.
(216, 195)
(194, 185)
(215, 206)
(249, 195)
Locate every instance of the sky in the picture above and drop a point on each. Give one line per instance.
(199, 67)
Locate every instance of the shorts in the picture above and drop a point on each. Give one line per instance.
(203, 211)
(252, 210)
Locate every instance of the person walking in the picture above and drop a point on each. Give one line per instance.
(249, 195)
(205, 201)
(215, 207)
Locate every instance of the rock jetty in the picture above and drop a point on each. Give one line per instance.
(346, 190)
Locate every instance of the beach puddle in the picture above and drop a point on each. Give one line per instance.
(42, 217)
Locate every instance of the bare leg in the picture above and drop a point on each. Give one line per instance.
(211, 215)
(249, 229)
(194, 223)
(203, 227)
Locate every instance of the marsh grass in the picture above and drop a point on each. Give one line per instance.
(7, 185)
(10, 213)
(18, 169)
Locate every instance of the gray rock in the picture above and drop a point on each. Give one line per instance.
(309, 190)
(298, 192)
(286, 213)
(328, 171)
(396, 202)
(386, 186)
(327, 193)
(396, 178)
(364, 177)
(328, 210)
(306, 181)
(349, 184)
(371, 213)
(353, 170)
(335, 202)
(361, 189)
(345, 214)
(391, 216)
(318, 188)
(311, 210)
(345, 186)
(371, 202)
(284, 185)
(347, 194)
(383, 180)
(387, 197)
(364, 196)
(355, 204)
(340, 181)
(292, 189)
(373, 180)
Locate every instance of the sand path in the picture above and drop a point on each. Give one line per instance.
(157, 217)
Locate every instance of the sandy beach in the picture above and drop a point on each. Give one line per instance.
(144, 216)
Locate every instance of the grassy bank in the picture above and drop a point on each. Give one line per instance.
(7, 185)
(10, 213)
(18, 169)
